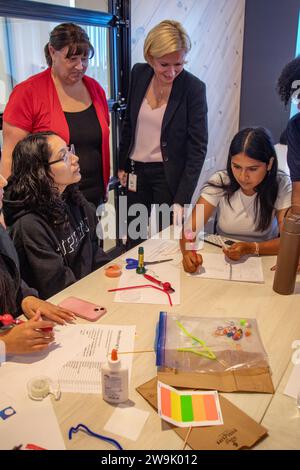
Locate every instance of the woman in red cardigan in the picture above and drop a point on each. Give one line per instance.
(66, 101)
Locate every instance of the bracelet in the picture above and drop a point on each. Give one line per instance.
(256, 252)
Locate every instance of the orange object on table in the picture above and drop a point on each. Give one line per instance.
(114, 270)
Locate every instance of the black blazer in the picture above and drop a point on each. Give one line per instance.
(183, 139)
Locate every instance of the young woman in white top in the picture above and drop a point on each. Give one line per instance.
(251, 198)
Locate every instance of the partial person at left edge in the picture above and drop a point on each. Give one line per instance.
(64, 100)
(17, 298)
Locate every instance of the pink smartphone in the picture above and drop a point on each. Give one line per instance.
(83, 308)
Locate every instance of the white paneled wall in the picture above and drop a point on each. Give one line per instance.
(98, 5)
(216, 28)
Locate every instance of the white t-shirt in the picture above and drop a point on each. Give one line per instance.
(237, 220)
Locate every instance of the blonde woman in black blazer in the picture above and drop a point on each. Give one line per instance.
(164, 137)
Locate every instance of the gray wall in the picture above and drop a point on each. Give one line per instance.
(269, 43)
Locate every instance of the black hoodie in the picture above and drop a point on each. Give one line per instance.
(9, 262)
(54, 256)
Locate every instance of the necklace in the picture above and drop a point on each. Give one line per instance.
(158, 92)
(160, 97)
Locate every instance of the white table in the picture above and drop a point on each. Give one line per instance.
(278, 319)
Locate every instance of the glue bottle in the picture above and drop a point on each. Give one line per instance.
(141, 266)
(114, 380)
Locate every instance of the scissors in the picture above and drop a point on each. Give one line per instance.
(132, 263)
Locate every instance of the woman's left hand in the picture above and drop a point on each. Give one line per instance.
(237, 251)
(275, 266)
(31, 304)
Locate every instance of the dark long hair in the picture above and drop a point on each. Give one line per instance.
(31, 180)
(257, 144)
(71, 35)
(287, 83)
(7, 293)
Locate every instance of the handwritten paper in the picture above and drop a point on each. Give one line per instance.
(160, 249)
(156, 249)
(218, 266)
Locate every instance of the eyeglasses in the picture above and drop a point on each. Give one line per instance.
(66, 156)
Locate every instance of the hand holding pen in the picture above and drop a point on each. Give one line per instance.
(237, 250)
(226, 249)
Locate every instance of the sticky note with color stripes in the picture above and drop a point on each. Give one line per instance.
(188, 408)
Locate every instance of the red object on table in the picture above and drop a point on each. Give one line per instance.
(144, 285)
(34, 447)
(165, 285)
(7, 319)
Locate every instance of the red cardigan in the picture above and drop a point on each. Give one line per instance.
(34, 106)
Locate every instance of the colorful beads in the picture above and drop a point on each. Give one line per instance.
(235, 332)
(238, 335)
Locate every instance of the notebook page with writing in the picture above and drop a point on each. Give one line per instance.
(218, 266)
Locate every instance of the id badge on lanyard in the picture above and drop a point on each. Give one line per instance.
(132, 179)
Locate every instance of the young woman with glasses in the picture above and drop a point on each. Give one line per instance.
(52, 225)
(17, 298)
